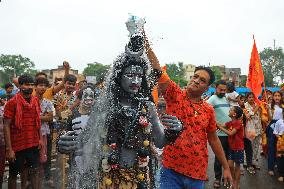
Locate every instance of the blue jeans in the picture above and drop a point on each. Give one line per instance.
(271, 147)
(173, 180)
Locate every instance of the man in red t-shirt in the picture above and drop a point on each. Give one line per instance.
(22, 134)
(235, 130)
(185, 160)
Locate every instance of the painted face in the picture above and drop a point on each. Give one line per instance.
(199, 82)
(88, 97)
(132, 79)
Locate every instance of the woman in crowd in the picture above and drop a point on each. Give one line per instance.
(276, 111)
(253, 127)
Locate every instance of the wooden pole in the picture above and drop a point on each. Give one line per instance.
(63, 171)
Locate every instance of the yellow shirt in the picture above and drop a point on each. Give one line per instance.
(48, 93)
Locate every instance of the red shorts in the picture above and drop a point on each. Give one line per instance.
(2, 160)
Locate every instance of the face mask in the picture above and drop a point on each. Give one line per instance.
(221, 95)
(27, 91)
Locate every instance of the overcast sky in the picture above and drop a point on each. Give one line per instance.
(191, 31)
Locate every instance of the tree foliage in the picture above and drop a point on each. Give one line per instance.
(96, 69)
(243, 81)
(273, 65)
(15, 65)
(217, 73)
(177, 73)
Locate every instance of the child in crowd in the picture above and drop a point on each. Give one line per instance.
(231, 95)
(247, 142)
(235, 130)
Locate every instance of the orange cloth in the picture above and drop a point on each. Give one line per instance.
(264, 112)
(155, 95)
(48, 94)
(255, 75)
(164, 78)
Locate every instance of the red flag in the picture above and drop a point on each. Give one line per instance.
(255, 75)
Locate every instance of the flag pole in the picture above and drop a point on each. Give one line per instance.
(264, 85)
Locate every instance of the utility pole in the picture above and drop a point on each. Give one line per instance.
(274, 60)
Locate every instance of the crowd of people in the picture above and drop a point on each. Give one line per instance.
(114, 132)
(253, 134)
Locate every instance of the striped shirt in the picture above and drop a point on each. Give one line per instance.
(222, 108)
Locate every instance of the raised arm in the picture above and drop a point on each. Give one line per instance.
(155, 64)
(60, 86)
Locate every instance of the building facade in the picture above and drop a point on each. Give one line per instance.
(231, 74)
(189, 71)
(59, 73)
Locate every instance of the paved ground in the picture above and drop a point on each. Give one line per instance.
(259, 181)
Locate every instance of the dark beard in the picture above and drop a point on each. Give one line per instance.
(220, 95)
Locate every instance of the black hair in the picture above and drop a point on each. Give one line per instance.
(250, 93)
(71, 78)
(221, 82)
(209, 71)
(266, 91)
(8, 85)
(242, 96)
(25, 79)
(239, 111)
(231, 87)
(41, 73)
(42, 80)
(58, 79)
